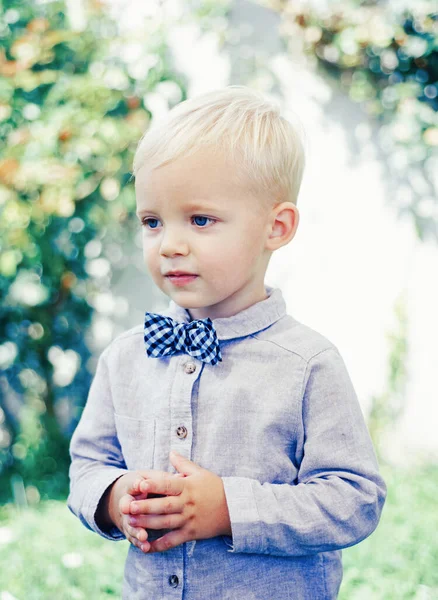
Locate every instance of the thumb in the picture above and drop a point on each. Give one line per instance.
(183, 465)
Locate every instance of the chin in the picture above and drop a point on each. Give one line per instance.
(181, 297)
(188, 303)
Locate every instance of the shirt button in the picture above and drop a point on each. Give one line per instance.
(190, 367)
(181, 432)
(173, 581)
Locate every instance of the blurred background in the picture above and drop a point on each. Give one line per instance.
(80, 80)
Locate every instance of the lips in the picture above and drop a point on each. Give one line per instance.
(179, 278)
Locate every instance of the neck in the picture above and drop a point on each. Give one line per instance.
(228, 308)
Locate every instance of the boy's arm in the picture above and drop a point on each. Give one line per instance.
(339, 494)
(97, 460)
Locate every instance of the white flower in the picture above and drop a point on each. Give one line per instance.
(6, 536)
(7, 596)
(72, 560)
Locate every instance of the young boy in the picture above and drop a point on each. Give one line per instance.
(223, 438)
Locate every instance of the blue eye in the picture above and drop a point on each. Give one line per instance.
(152, 223)
(204, 219)
(148, 222)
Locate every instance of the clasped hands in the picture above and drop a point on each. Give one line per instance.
(193, 505)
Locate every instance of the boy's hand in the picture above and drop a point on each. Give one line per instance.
(115, 506)
(194, 506)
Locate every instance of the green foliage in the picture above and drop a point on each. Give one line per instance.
(72, 108)
(399, 560)
(51, 555)
(73, 105)
(385, 57)
(387, 408)
(57, 557)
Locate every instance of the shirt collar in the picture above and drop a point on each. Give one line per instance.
(250, 320)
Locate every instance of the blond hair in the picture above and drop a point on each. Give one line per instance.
(243, 123)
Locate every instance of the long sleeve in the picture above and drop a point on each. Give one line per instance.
(337, 498)
(96, 456)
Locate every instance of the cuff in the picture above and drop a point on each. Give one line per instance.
(246, 526)
(100, 485)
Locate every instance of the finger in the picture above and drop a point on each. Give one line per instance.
(182, 464)
(136, 532)
(143, 474)
(135, 538)
(139, 495)
(156, 506)
(168, 486)
(172, 521)
(135, 490)
(134, 487)
(125, 503)
(170, 540)
(144, 546)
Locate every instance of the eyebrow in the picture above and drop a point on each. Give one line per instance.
(201, 206)
(193, 206)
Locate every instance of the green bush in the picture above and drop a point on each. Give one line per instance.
(73, 105)
(384, 55)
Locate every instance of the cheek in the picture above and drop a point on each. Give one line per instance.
(240, 259)
(150, 256)
(240, 249)
(230, 262)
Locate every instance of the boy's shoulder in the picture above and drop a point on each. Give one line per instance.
(297, 338)
(126, 337)
(126, 344)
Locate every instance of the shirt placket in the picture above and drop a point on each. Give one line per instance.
(181, 438)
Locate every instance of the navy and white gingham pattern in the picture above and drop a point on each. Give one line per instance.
(164, 336)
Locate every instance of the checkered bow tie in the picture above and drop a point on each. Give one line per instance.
(164, 336)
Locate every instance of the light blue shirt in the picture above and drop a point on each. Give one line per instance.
(278, 419)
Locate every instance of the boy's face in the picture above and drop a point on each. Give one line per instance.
(198, 218)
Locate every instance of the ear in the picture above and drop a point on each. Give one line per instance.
(283, 225)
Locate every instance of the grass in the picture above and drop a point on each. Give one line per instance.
(46, 553)
(51, 555)
(399, 560)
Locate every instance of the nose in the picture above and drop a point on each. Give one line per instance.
(173, 243)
